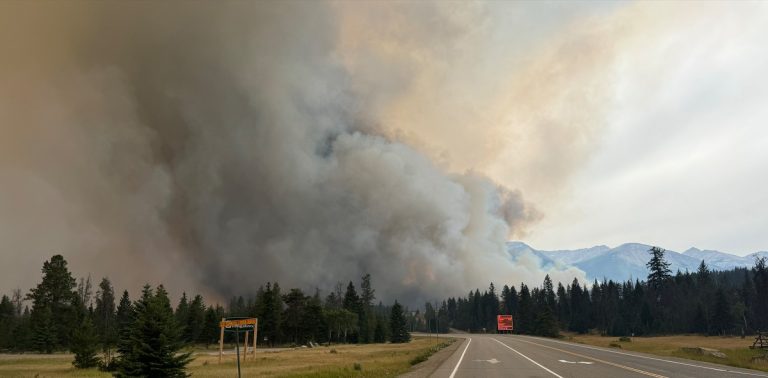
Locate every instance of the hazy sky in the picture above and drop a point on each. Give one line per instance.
(621, 122)
(683, 158)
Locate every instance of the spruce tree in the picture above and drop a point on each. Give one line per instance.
(195, 320)
(659, 269)
(182, 313)
(398, 325)
(124, 322)
(53, 313)
(722, 319)
(104, 319)
(85, 345)
(7, 322)
(544, 323)
(525, 311)
(367, 319)
(210, 332)
(155, 339)
(379, 333)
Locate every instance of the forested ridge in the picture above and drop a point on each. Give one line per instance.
(705, 302)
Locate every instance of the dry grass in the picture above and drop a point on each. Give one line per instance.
(375, 360)
(735, 348)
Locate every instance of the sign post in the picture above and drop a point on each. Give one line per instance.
(238, 325)
(504, 323)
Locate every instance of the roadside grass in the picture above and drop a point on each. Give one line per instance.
(373, 360)
(736, 349)
(423, 356)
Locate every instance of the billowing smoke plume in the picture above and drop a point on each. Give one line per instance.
(219, 147)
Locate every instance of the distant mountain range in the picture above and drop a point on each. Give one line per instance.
(627, 261)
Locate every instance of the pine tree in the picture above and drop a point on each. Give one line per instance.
(295, 302)
(659, 269)
(545, 323)
(84, 345)
(52, 306)
(21, 335)
(7, 322)
(195, 320)
(210, 333)
(124, 323)
(314, 319)
(155, 339)
(104, 319)
(722, 319)
(43, 332)
(367, 321)
(398, 325)
(379, 333)
(182, 313)
(525, 312)
(760, 280)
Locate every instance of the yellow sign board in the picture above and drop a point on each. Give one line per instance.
(238, 323)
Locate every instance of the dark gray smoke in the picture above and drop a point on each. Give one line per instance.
(219, 146)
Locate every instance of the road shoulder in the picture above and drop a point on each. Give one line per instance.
(426, 368)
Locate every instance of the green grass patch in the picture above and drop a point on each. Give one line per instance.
(423, 356)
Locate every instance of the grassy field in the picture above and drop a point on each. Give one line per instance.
(375, 360)
(736, 349)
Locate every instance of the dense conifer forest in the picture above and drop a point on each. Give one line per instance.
(704, 302)
(110, 329)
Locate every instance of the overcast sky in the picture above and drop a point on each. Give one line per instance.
(682, 159)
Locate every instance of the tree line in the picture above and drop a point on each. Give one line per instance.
(148, 336)
(705, 302)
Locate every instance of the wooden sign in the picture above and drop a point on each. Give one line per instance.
(238, 324)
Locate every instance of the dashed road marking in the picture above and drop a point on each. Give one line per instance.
(598, 360)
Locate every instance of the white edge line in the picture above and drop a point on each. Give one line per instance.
(655, 359)
(461, 358)
(526, 357)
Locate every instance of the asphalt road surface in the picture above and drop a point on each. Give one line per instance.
(523, 356)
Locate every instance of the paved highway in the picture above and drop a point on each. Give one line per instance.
(523, 356)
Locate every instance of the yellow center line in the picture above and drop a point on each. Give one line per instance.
(597, 360)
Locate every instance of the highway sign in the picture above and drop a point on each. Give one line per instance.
(504, 322)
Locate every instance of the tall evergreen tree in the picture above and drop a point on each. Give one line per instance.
(182, 313)
(53, 310)
(210, 332)
(526, 311)
(398, 326)
(760, 280)
(7, 322)
(105, 320)
(124, 321)
(155, 339)
(270, 318)
(365, 313)
(293, 315)
(85, 345)
(722, 319)
(195, 320)
(659, 269)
